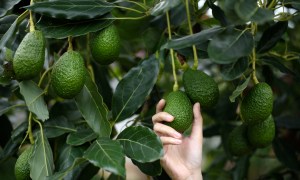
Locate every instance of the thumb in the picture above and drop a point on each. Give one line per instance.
(197, 124)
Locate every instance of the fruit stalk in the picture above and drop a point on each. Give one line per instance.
(29, 130)
(195, 66)
(70, 48)
(175, 86)
(31, 28)
(253, 58)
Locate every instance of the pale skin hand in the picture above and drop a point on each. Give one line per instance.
(183, 155)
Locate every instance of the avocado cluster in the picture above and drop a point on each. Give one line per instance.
(258, 128)
(199, 87)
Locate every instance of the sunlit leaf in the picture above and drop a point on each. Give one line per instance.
(141, 144)
(34, 98)
(107, 154)
(164, 6)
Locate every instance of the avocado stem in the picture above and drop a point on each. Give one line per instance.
(253, 58)
(195, 66)
(29, 130)
(31, 27)
(175, 86)
(70, 48)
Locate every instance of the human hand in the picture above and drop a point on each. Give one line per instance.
(182, 155)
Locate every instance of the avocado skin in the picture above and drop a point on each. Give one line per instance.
(257, 105)
(200, 88)
(68, 75)
(105, 45)
(29, 57)
(180, 107)
(22, 167)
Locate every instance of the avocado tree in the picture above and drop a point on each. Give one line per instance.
(71, 71)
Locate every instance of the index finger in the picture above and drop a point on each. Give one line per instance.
(160, 105)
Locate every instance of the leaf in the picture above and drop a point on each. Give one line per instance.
(93, 109)
(34, 98)
(61, 28)
(294, 3)
(74, 10)
(7, 5)
(141, 144)
(245, 9)
(164, 6)
(107, 154)
(286, 154)
(271, 36)
(81, 136)
(278, 64)
(234, 70)
(190, 40)
(262, 16)
(150, 168)
(18, 133)
(6, 22)
(62, 174)
(242, 166)
(7, 169)
(239, 90)
(218, 13)
(133, 89)
(41, 161)
(58, 126)
(230, 45)
(5, 106)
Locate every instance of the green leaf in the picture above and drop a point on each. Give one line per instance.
(41, 161)
(7, 169)
(141, 144)
(107, 154)
(164, 6)
(190, 40)
(34, 98)
(18, 133)
(74, 10)
(81, 136)
(242, 166)
(234, 70)
(57, 126)
(61, 28)
(133, 89)
(262, 16)
(7, 5)
(271, 36)
(230, 45)
(218, 13)
(5, 106)
(93, 109)
(239, 90)
(150, 168)
(278, 64)
(245, 9)
(62, 174)
(6, 22)
(294, 3)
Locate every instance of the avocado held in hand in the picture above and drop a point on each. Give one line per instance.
(68, 75)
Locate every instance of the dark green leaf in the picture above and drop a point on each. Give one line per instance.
(107, 154)
(81, 136)
(262, 16)
(286, 154)
(151, 168)
(6, 22)
(294, 3)
(92, 108)
(245, 9)
(133, 89)
(60, 28)
(278, 64)
(235, 70)
(239, 90)
(9, 150)
(57, 126)
(41, 161)
(34, 98)
(7, 5)
(74, 10)
(68, 109)
(271, 36)
(164, 6)
(5, 106)
(230, 45)
(5, 130)
(190, 40)
(64, 173)
(115, 177)
(7, 169)
(141, 144)
(241, 168)
(218, 13)
(18, 133)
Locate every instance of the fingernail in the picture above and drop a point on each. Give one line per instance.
(177, 141)
(170, 117)
(177, 135)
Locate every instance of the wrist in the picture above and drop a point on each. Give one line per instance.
(195, 175)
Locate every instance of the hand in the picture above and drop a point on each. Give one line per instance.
(182, 155)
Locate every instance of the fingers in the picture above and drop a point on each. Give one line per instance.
(162, 116)
(170, 141)
(164, 130)
(198, 123)
(160, 105)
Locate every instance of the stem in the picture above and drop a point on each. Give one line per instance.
(127, 18)
(175, 86)
(31, 27)
(43, 76)
(30, 128)
(253, 58)
(195, 66)
(70, 48)
(41, 127)
(130, 9)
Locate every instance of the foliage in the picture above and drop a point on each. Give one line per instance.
(241, 42)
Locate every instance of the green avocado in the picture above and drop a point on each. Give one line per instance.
(200, 88)
(29, 57)
(22, 167)
(180, 107)
(68, 75)
(105, 45)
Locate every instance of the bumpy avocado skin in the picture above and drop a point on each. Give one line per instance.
(238, 143)
(261, 134)
(68, 75)
(105, 46)
(29, 57)
(257, 105)
(22, 167)
(200, 88)
(180, 107)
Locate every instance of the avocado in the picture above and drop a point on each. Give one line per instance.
(22, 166)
